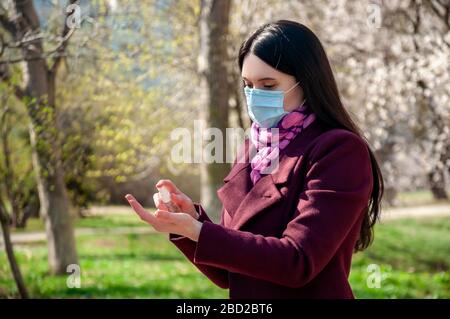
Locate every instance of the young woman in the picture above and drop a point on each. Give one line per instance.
(288, 232)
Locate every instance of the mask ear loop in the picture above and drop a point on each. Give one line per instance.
(292, 88)
(303, 103)
(285, 93)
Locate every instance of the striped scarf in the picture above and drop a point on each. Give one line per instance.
(268, 144)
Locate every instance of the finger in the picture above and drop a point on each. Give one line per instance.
(175, 218)
(163, 214)
(137, 207)
(169, 185)
(178, 199)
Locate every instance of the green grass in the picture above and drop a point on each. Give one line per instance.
(114, 266)
(413, 256)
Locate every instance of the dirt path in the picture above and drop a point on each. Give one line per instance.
(30, 237)
(437, 210)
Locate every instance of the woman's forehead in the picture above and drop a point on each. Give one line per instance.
(255, 69)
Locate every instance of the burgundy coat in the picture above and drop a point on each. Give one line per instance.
(292, 234)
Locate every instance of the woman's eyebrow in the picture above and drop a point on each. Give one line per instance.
(263, 79)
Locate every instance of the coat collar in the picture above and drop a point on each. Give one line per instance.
(243, 200)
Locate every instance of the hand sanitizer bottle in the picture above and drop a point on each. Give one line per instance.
(164, 195)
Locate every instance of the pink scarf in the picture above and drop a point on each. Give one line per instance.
(268, 144)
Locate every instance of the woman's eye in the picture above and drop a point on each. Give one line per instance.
(265, 86)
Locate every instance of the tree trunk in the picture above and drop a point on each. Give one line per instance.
(436, 176)
(54, 204)
(214, 21)
(8, 177)
(436, 179)
(236, 93)
(10, 253)
(39, 83)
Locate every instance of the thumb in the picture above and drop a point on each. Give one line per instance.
(178, 199)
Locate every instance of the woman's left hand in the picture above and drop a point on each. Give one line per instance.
(167, 222)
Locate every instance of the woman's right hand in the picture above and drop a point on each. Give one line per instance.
(179, 198)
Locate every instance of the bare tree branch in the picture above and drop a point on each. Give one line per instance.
(66, 34)
(442, 10)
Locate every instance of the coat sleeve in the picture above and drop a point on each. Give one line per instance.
(187, 247)
(337, 188)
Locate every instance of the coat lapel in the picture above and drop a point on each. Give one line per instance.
(237, 182)
(241, 199)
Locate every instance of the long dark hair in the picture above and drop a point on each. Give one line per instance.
(292, 48)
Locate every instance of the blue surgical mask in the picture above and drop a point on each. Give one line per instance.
(266, 107)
